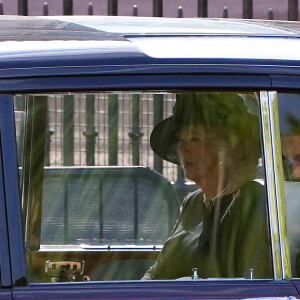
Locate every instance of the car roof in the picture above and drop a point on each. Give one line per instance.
(38, 46)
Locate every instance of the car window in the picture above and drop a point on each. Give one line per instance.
(142, 185)
(289, 120)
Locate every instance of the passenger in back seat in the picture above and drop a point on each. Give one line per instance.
(222, 230)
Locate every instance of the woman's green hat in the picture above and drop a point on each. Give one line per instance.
(235, 113)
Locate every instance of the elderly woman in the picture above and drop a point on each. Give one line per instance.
(222, 228)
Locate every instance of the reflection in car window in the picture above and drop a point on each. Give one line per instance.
(103, 177)
(289, 121)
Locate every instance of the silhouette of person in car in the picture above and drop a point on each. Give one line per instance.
(222, 228)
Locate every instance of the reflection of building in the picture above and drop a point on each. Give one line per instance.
(170, 7)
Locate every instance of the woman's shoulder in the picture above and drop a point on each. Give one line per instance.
(253, 194)
(253, 187)
(191, 197)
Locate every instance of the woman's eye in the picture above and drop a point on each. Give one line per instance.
(192, 139)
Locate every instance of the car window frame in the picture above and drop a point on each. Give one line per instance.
(274, 183)
(14, 229)
(207, 82)
(4, 241)
(83, 83)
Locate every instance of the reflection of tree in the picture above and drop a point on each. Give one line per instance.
(293, 124)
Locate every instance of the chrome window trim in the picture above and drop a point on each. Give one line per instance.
(86, 247)
(279, 188)
(270, 184)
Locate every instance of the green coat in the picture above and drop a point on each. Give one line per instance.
(227, 248)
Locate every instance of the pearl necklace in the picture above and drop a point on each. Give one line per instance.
(209, 202)
(226, 191)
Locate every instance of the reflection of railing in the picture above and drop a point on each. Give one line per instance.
(105, 129)
(200, 6)
(20, 126)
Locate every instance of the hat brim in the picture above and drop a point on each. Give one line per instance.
(163, 140)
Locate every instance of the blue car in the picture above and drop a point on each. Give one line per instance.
(149, 158)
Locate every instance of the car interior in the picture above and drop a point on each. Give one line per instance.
(106, 218)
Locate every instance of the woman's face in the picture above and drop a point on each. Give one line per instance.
(197, 155)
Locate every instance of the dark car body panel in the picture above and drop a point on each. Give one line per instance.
(131, 82)
(120, 64)
(15, 273)
(161, 290)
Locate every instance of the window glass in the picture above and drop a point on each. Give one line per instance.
(130, 186)
(289, 120)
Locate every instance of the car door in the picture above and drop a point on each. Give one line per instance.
(57, 240)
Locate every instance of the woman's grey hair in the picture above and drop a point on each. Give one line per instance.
(238, 154)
